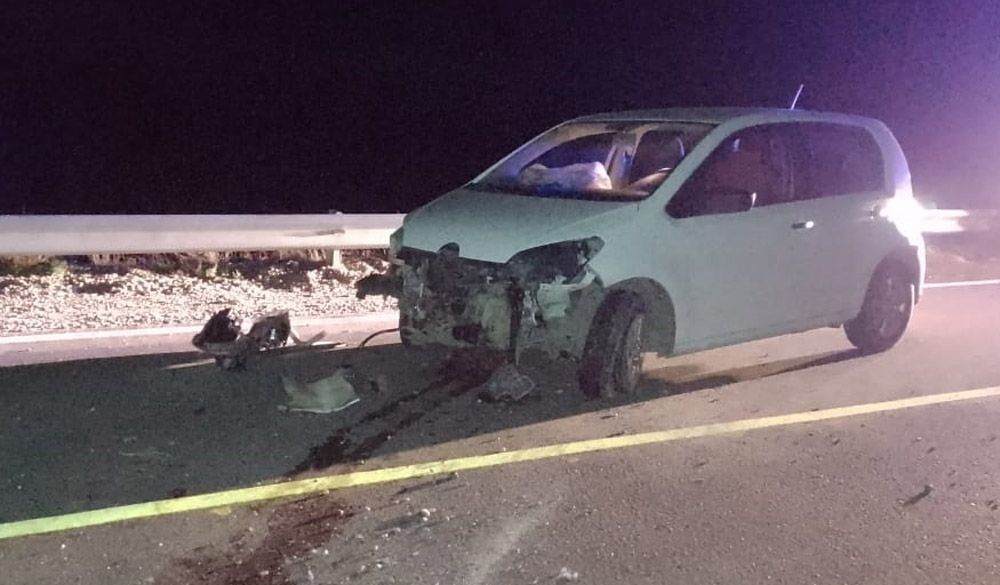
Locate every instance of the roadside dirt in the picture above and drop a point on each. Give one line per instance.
(963, 256)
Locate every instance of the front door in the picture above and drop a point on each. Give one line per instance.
(749, 272)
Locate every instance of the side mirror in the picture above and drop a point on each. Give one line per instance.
(727, 200)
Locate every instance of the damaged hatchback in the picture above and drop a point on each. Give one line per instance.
(666, 231)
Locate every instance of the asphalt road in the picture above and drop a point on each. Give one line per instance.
(22, 350)
(901, 496)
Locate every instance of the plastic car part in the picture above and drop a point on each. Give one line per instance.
(323, 396)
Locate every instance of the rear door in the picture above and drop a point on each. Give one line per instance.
(843, 184)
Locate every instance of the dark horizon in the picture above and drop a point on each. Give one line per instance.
(374, 107)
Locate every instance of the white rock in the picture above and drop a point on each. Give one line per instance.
(567, 575)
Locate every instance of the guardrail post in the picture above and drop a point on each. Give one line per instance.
(336, 259)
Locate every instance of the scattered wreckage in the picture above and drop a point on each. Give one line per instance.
(223, 337)
(331, 394)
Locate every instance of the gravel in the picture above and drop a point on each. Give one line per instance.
(77, 298)
(82, 298)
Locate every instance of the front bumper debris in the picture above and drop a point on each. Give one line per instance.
(448, 300)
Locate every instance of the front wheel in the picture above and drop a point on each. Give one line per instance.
(405, 332)
(886, 311)
(612, 356)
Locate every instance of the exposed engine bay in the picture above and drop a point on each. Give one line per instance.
(542, 298)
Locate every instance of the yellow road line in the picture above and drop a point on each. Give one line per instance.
(419, 470)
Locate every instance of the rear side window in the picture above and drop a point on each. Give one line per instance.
(840, 160)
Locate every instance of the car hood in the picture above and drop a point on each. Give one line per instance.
(492, 227)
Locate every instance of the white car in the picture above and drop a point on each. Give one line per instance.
(670, 231)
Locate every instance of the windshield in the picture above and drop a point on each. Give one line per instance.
(603, 160)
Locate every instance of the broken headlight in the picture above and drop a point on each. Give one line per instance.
(396, 242)
(560, 261)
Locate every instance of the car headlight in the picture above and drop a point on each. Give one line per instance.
(552, 261)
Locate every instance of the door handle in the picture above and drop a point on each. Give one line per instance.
(803, 225)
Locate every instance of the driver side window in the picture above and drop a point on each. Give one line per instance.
(749, 169)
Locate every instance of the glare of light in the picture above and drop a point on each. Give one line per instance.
(906, 211)
(943, 221)
(903, 209)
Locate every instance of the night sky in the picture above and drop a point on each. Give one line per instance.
(218, 107)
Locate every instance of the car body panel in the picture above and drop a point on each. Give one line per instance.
(492, 227)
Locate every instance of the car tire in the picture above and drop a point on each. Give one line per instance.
(886, 311)
(404, 329)
(612, 355)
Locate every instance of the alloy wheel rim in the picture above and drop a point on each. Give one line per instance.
(632, 354)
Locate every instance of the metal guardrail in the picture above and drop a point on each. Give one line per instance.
(66, 235)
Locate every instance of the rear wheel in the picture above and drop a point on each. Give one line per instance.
(612, 356)
(886, 311)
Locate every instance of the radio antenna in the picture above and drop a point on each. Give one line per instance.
(795, 99)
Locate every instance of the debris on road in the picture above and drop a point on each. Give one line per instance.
(916, 498)
(323, 396)
(392, 532)
(177, 492)
(376, 334)
(271, 331)
(507, 383)
(223, 337)
(406, 522)
(384, 285)
(379, 384)
(428, 484)
(220, 328)
(567, 575)
(147, 454)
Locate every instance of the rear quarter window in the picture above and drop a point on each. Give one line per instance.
(839, 160)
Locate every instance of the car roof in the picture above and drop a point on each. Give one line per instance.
(720, 115)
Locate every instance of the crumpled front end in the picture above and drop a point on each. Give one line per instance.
(448, 300)
(542, 298)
